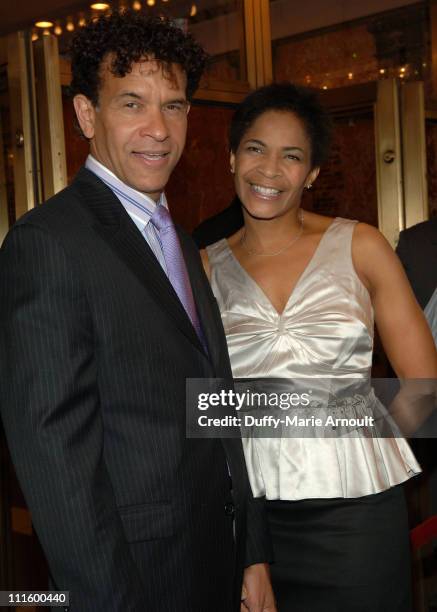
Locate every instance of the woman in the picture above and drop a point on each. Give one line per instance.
(298, 294)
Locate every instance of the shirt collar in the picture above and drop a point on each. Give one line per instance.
(139, 206)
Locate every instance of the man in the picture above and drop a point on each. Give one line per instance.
(100, 327)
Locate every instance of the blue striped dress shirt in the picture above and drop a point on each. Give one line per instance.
(139, 207)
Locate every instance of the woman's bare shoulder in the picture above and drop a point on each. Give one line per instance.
(373, 257)
(368, 238)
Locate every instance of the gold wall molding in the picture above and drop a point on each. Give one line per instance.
(414, 153)
(258, 42)
(51, 122)
(24, 124)
(389, 160)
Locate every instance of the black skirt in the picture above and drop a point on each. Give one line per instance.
(341, 555)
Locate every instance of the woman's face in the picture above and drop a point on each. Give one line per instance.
(272, 165)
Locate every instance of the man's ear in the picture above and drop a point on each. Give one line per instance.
(85, 113)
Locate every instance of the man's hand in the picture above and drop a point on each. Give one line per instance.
(257, 593)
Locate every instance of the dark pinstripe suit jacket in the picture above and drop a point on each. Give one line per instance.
(417, 249)
(95, 349)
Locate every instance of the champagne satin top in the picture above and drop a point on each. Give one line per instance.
(325, 330)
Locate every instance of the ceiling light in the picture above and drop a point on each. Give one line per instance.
(350, 75)
(34, 36)
(382, 71)
(44, 24)
(150, 2)
(193, 11)
(82, 22)
(58, 30)
(136, 5)
(100, 6)
(70, 26)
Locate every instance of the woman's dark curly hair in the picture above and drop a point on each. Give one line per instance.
(130, 36)
(301, 101)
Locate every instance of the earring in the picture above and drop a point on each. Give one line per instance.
(309, 186)
(232, 170)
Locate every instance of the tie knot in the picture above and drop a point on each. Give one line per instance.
(161, 218)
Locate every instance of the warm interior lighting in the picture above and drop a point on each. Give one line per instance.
(382, 71)
(350, 75)
(150, 2)
(70, 26)
(402, 69)
(193, 11)
(44, 24)
(325, 87)
(136, 5)
(82, 22)
(58, 30)
(100, 6)
(34, 37)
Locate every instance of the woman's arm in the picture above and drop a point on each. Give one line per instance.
(404, 331)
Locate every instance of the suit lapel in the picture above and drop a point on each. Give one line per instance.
(207, 309)
(114, 225)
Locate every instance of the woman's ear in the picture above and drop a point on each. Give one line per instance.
(232, 162)
(312, 177)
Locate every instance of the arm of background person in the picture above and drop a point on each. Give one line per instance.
(50, 407)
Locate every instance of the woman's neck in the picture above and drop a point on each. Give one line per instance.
(267, 235)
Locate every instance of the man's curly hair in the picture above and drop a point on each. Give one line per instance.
(129, 37)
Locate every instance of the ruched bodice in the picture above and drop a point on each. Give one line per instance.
(325, 330)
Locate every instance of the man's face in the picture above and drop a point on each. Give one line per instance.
(139, 126)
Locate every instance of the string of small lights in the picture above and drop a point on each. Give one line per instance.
(185, 14)
(67, 25)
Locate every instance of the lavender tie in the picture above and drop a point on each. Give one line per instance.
(176, 268)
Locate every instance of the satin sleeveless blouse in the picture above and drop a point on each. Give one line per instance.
(325, 330)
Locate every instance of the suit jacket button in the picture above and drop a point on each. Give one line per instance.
(229, 509)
